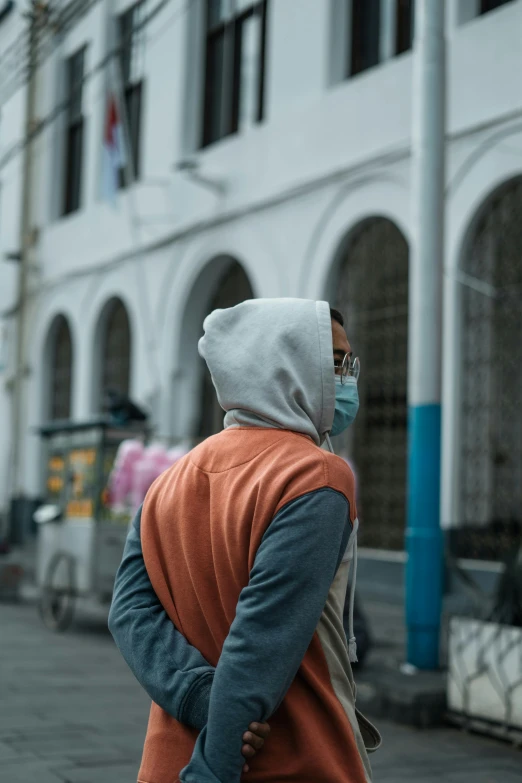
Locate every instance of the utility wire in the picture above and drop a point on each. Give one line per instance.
(101, 66)
(57, 20)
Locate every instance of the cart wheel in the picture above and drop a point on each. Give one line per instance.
(58, 594)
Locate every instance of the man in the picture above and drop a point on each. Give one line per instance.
(247, 542)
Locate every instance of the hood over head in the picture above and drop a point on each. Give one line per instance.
(271, 362)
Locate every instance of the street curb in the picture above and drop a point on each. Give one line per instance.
(417, 700)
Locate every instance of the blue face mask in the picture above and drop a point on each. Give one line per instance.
(346, 404)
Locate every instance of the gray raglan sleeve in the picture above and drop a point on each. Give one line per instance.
(172, 671)
(276, 617)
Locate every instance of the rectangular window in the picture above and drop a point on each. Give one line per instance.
(490, 5)
(235, 67)
(404, 26)
(75, 67)
(366, 35)
(132, 56)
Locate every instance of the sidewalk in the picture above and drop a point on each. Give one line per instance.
(442, 756)
(384, 692)
(73, 713)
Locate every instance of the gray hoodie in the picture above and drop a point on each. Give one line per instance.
(271, 364)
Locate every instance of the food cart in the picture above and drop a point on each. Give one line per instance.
(80, 538)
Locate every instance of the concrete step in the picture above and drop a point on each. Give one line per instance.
(415, 699)
(387, 689)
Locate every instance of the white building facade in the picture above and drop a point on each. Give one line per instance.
(270, 145)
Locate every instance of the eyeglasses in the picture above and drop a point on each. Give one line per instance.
(348, 368)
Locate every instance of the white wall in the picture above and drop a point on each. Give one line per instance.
(327, 156)
(311, 131)
(298, 42)
(482, 56)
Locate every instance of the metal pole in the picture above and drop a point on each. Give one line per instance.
(18, 391)
(424, 573)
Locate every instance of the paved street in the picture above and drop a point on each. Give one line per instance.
(72, 713)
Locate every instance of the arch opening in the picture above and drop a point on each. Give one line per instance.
(58, 389)
(369, 285)
(113, 347)
(490, 421)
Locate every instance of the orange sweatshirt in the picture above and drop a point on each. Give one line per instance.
(243, 541)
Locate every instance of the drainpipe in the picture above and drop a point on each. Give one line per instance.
(26, 243)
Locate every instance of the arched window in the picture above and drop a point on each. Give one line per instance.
(60, 370)
(372, 293)
(491, 378)
(233, 287)
(115, 350)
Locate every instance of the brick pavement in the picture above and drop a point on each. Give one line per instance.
(71, 712)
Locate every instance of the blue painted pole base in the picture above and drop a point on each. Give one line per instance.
(423, 648)
(424, 570)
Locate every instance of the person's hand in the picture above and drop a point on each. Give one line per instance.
(254, 740)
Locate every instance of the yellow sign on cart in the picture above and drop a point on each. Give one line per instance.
(80, 508)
